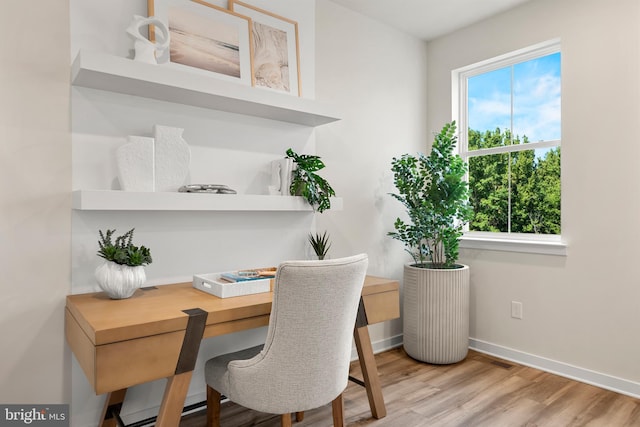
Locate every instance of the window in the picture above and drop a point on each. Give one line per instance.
(510, 109)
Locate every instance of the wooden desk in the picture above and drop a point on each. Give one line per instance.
(121, 343)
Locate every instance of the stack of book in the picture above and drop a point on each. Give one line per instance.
(246, 275)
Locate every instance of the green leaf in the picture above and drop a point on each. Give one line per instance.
(122, 251)
(435, 195)
(306, 183)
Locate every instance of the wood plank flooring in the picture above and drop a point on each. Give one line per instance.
(479, 391)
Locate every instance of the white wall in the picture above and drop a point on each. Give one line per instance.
(376, 75)
(582, 309)
(35, 179)
(226, 149)
(236, 150)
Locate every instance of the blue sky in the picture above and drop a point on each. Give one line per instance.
(536, 99)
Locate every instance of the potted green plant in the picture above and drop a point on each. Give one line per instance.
(436, 288)
(320, 244)
(122, 272)
(306, 183)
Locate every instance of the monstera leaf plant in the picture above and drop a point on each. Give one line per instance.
(307, 183)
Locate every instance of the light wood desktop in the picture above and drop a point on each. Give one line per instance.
(157, 332)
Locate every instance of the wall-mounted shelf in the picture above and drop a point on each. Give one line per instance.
(166, 83)
(113, 200)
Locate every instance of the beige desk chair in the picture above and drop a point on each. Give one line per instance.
(304, 363)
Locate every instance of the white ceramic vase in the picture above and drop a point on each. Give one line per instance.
(119, 281)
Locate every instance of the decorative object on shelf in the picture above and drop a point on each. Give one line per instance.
(206, 38)
(436, 288)
(171, 158)
(146, 50)
(306, 183)
(135, 163)
(154, 164)
(207, 188)
(276, 50)
(320, 244)
(281, 170)
(122, 272)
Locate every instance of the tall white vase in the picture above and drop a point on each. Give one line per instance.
(171, 158)
(436, 314)
(119, 281)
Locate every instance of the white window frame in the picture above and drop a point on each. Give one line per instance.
(511, 242)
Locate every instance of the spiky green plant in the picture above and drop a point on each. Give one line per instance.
(320, 244)
(122, 251)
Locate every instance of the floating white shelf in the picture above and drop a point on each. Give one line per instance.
(166, 83)
(113, 200)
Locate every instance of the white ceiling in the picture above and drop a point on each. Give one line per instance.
(428, 19)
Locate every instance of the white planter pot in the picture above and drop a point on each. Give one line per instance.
(119, 281)
(436, 314)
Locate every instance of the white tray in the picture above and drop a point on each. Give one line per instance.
(212, 284)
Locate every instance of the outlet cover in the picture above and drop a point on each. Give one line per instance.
(516, 309)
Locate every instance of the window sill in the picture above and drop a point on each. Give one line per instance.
(546, 245)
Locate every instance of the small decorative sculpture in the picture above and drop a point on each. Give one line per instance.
(145, 50)
(281, 170)
(207, 188)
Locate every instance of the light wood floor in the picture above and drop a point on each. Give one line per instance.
(479, 391)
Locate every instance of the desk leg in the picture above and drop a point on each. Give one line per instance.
(177, 386)
(112, 407)
(173, 400)
(369, 371)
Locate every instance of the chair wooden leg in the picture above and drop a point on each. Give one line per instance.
(213, 407)
(285, 420)
(299, 416)
(337, 407)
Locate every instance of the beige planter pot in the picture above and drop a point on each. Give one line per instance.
(436, 314)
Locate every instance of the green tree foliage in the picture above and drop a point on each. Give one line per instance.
(528, 185)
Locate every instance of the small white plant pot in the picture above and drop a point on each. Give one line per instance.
(119, 281)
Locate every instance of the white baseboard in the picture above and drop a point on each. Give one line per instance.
(608, 382)
(381, 345)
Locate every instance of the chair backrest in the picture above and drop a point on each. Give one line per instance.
(305, 360)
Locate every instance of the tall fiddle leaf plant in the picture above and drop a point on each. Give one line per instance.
(433, 190)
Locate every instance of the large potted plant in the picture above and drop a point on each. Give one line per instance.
(122, 271)
(436, 288)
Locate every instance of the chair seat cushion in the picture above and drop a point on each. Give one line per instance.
(215, 370)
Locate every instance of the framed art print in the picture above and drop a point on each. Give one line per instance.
(206, 38)
(276, 51)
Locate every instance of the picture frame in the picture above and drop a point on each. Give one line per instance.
(275, 47)
(205, 39)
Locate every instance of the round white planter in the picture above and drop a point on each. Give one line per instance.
(119, 281)
(436, 314)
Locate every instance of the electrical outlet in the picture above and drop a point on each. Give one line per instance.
(516, 309)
